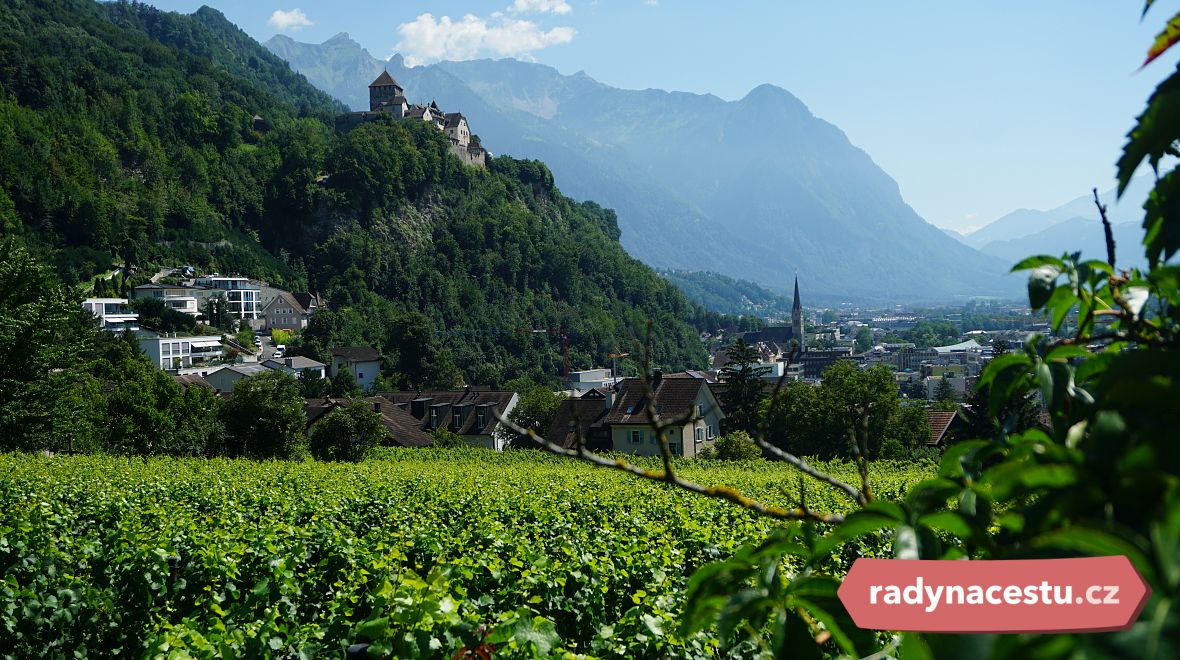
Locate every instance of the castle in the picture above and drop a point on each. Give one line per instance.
(386, 97)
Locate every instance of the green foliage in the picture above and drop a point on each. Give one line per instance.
(735, 446)
(535, 409)
(444, 439)
(346, 434)
(744, 387)
(420, 554)
(864, 339)
(945, 392)
(819, 420)
(343, 384)
(280, 337)
(927, 333)
(264, 418)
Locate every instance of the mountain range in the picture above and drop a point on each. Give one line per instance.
(757, 188)
(1072, 226)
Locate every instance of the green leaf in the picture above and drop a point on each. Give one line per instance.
(1039, 260)
(856, 524)
(1154, 132)
(1098, 543)
(951, 522)
(1041, 283)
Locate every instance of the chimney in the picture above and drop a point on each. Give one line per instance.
(656, 377)
(609, 401)
(290, 362)
(418, 407)
(377, 407)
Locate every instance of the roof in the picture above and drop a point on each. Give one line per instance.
(961, 346)
(357, 353)
(940, 421)
(243, 369)
(288, 299)
(383, 80)
(453, 118)
(193, 380)
(400, 427)
(307, 300)
(451, 402)
(674, 397)
(577, 417)
(293, 362)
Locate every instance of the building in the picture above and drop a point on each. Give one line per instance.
(581, 382)
(114, 314)
(388, 99)
(225, 378)
(472, 414)
(784, 335)
(362, 362)
(815, 361)
(289, 311)
(173, 353)
(400, 429)
(619, 420)
(187, 299)
(242, 296)
(297, 365)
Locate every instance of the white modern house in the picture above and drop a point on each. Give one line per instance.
(114, 314)
(243, 296)
(171, 352)
(185, 299)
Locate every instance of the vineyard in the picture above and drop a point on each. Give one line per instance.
(421, 553)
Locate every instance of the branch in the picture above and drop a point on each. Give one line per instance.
(719, 492)
(1106, 228)
(791, 459)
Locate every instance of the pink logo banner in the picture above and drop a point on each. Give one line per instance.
(1086, 594)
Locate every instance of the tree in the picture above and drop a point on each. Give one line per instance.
(535, 409)
(944, 392)
(343, 384)
(736, 446)
(445, 439)
(44, 339)
(744, 388)
(864, 339)
(346, 434)
(264, 418)
(312, 385)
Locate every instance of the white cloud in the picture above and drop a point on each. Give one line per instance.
(289, 20)
(427, 39)
(541, 7)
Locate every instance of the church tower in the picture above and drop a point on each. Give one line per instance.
(797, 319)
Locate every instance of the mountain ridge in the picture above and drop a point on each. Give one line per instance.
(752, 188)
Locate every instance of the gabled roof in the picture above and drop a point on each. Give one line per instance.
(940, 421)
(307, 300)
(674, 398)
(383, 80)
(577, 418)
(193, 380)
(356, 353)
(447, 402)
(296, 362)
(400, 427)
(288, 299)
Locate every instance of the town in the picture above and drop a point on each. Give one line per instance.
(249, 328)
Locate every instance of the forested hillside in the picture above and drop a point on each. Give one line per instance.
(130, 136)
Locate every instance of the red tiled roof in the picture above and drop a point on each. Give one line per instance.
(939, 421)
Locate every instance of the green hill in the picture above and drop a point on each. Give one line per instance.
(131, 135)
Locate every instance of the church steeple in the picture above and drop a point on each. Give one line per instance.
(797, 319)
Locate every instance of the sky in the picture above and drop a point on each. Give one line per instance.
(975, 108)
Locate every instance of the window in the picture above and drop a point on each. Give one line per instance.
(700, 410)
(433, 418)
(481, 418)
(700, 433)
(456, 420)
(360, 375)
(712, 431)
(636, 437)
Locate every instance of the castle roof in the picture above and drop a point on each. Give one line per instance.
(453, 119)
(383, 80)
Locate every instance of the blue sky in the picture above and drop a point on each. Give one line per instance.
(975, 108)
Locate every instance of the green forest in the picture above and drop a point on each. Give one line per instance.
(140, 138)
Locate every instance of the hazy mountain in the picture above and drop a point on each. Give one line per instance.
(755, 189)
(1075, 234)
(1027, 222)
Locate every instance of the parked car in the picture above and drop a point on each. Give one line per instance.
(258, 341)
(278, 354)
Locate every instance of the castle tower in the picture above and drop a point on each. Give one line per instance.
(383, 90)
(797, 319)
